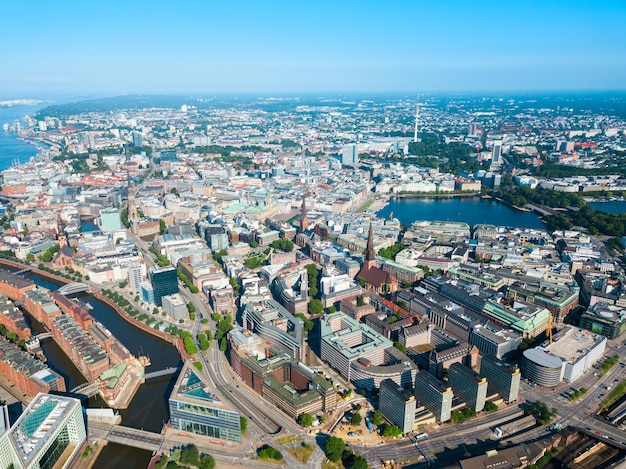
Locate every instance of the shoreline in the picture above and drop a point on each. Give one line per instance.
(425, 195)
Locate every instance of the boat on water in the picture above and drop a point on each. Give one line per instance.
(5, 127)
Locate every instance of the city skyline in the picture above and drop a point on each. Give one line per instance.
(351, 47)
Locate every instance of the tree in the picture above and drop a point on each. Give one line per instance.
(358, 462)
(219, 254)
(266, 451)
(254, 244)
(392, 431)
(190, 455)
(49, 253)
(316, 307)
(305, 420)
(360, 301)
(283, 244)
(377, 418)
(174, 191)
(162, 226)
(490, 407)
(124, 217)
(207, 462)
(334, 448)
(30, 257)
(243, 424)
(308, 324)
(399, 346)
(356, 419)
(541, 412)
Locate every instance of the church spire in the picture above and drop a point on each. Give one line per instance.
(370, 254)
(304, 221)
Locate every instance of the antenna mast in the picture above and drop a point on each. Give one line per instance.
(417, 116)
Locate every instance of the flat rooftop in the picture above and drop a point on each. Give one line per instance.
(40, 421)
(349, 337)
(193, 388)
(570, 343)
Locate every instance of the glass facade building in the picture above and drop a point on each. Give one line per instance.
(195, 407)
(164, 282)
(48, 435)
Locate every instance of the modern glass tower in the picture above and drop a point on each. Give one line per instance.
(164, 282)
(195, 407)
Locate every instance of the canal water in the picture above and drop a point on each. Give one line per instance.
(472, 211)
(148, 409)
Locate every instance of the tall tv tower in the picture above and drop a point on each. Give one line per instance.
(417, 117)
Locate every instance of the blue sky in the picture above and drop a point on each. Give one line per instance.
(186, 46)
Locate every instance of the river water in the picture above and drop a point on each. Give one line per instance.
(472, 210)
(12, 148)
(148, 409)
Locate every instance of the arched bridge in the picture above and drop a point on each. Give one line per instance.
(88, 389)
(71, 288)
(44, 335)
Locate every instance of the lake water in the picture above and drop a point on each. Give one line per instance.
(615, 206)
(469, 210)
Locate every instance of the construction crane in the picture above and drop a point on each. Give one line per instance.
(549, 330)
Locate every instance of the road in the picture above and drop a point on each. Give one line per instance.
(446, 436)
(266, 422)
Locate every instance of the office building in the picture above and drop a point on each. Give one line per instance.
(502, 378)
(468, 385)
(175, 306)
(290, 385)
(273, 322)
(494, 341)
(496, 153)
(527, 319)
(109, 220)
(572, 352)
(49, 434)
(167, 155)
(434, 395)
(195, 407)
(164, 282)
(606, 319)
(397, 405)
(542, 368)
(136, 272)
(147, 292)
(137, 139)
(362, 355)
(350, 155)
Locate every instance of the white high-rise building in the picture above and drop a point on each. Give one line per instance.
(136, 273)
(350, 155)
